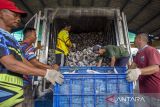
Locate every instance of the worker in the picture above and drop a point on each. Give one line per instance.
(63, 45)
(146, 69)
(29, 50)
(118, 55)
(12, 63)
(29, 53)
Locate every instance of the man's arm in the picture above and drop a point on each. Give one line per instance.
(99, 63)
(150, 70)
(25, 61)
(38, 47)
(154, 66)
(111, 54)
(67, 40)
(19, 67)
(113, 60)
(38, 64)
(133, 74)
(69, 43)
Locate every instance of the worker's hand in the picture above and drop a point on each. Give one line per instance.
(133, 74)
(40, 47)
(54, 76)
(55, 66)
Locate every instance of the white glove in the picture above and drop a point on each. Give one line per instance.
(133, 74)
(54, 76)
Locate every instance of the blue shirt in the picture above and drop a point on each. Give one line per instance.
(9, 46)
(29, 51)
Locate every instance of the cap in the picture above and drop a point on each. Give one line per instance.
(7, 4)
(96, 48)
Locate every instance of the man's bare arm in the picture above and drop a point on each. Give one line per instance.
(38, 64)
(150, 70)
(19, 67)
(113, 60)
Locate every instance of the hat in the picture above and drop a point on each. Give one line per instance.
(7, 4)
(96, 48)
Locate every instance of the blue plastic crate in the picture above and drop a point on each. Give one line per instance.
(93, 90)
(43, 103)
(110, 69)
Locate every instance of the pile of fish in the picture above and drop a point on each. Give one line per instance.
(86, 57)
(82, 54)
(85, 40)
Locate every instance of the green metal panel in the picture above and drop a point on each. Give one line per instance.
(131, 36)
(18, 35)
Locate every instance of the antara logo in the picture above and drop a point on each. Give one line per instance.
(113, 99)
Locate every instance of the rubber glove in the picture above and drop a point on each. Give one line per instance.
(54, 76)
(133, 74)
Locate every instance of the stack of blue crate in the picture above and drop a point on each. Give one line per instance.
(93, 90)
